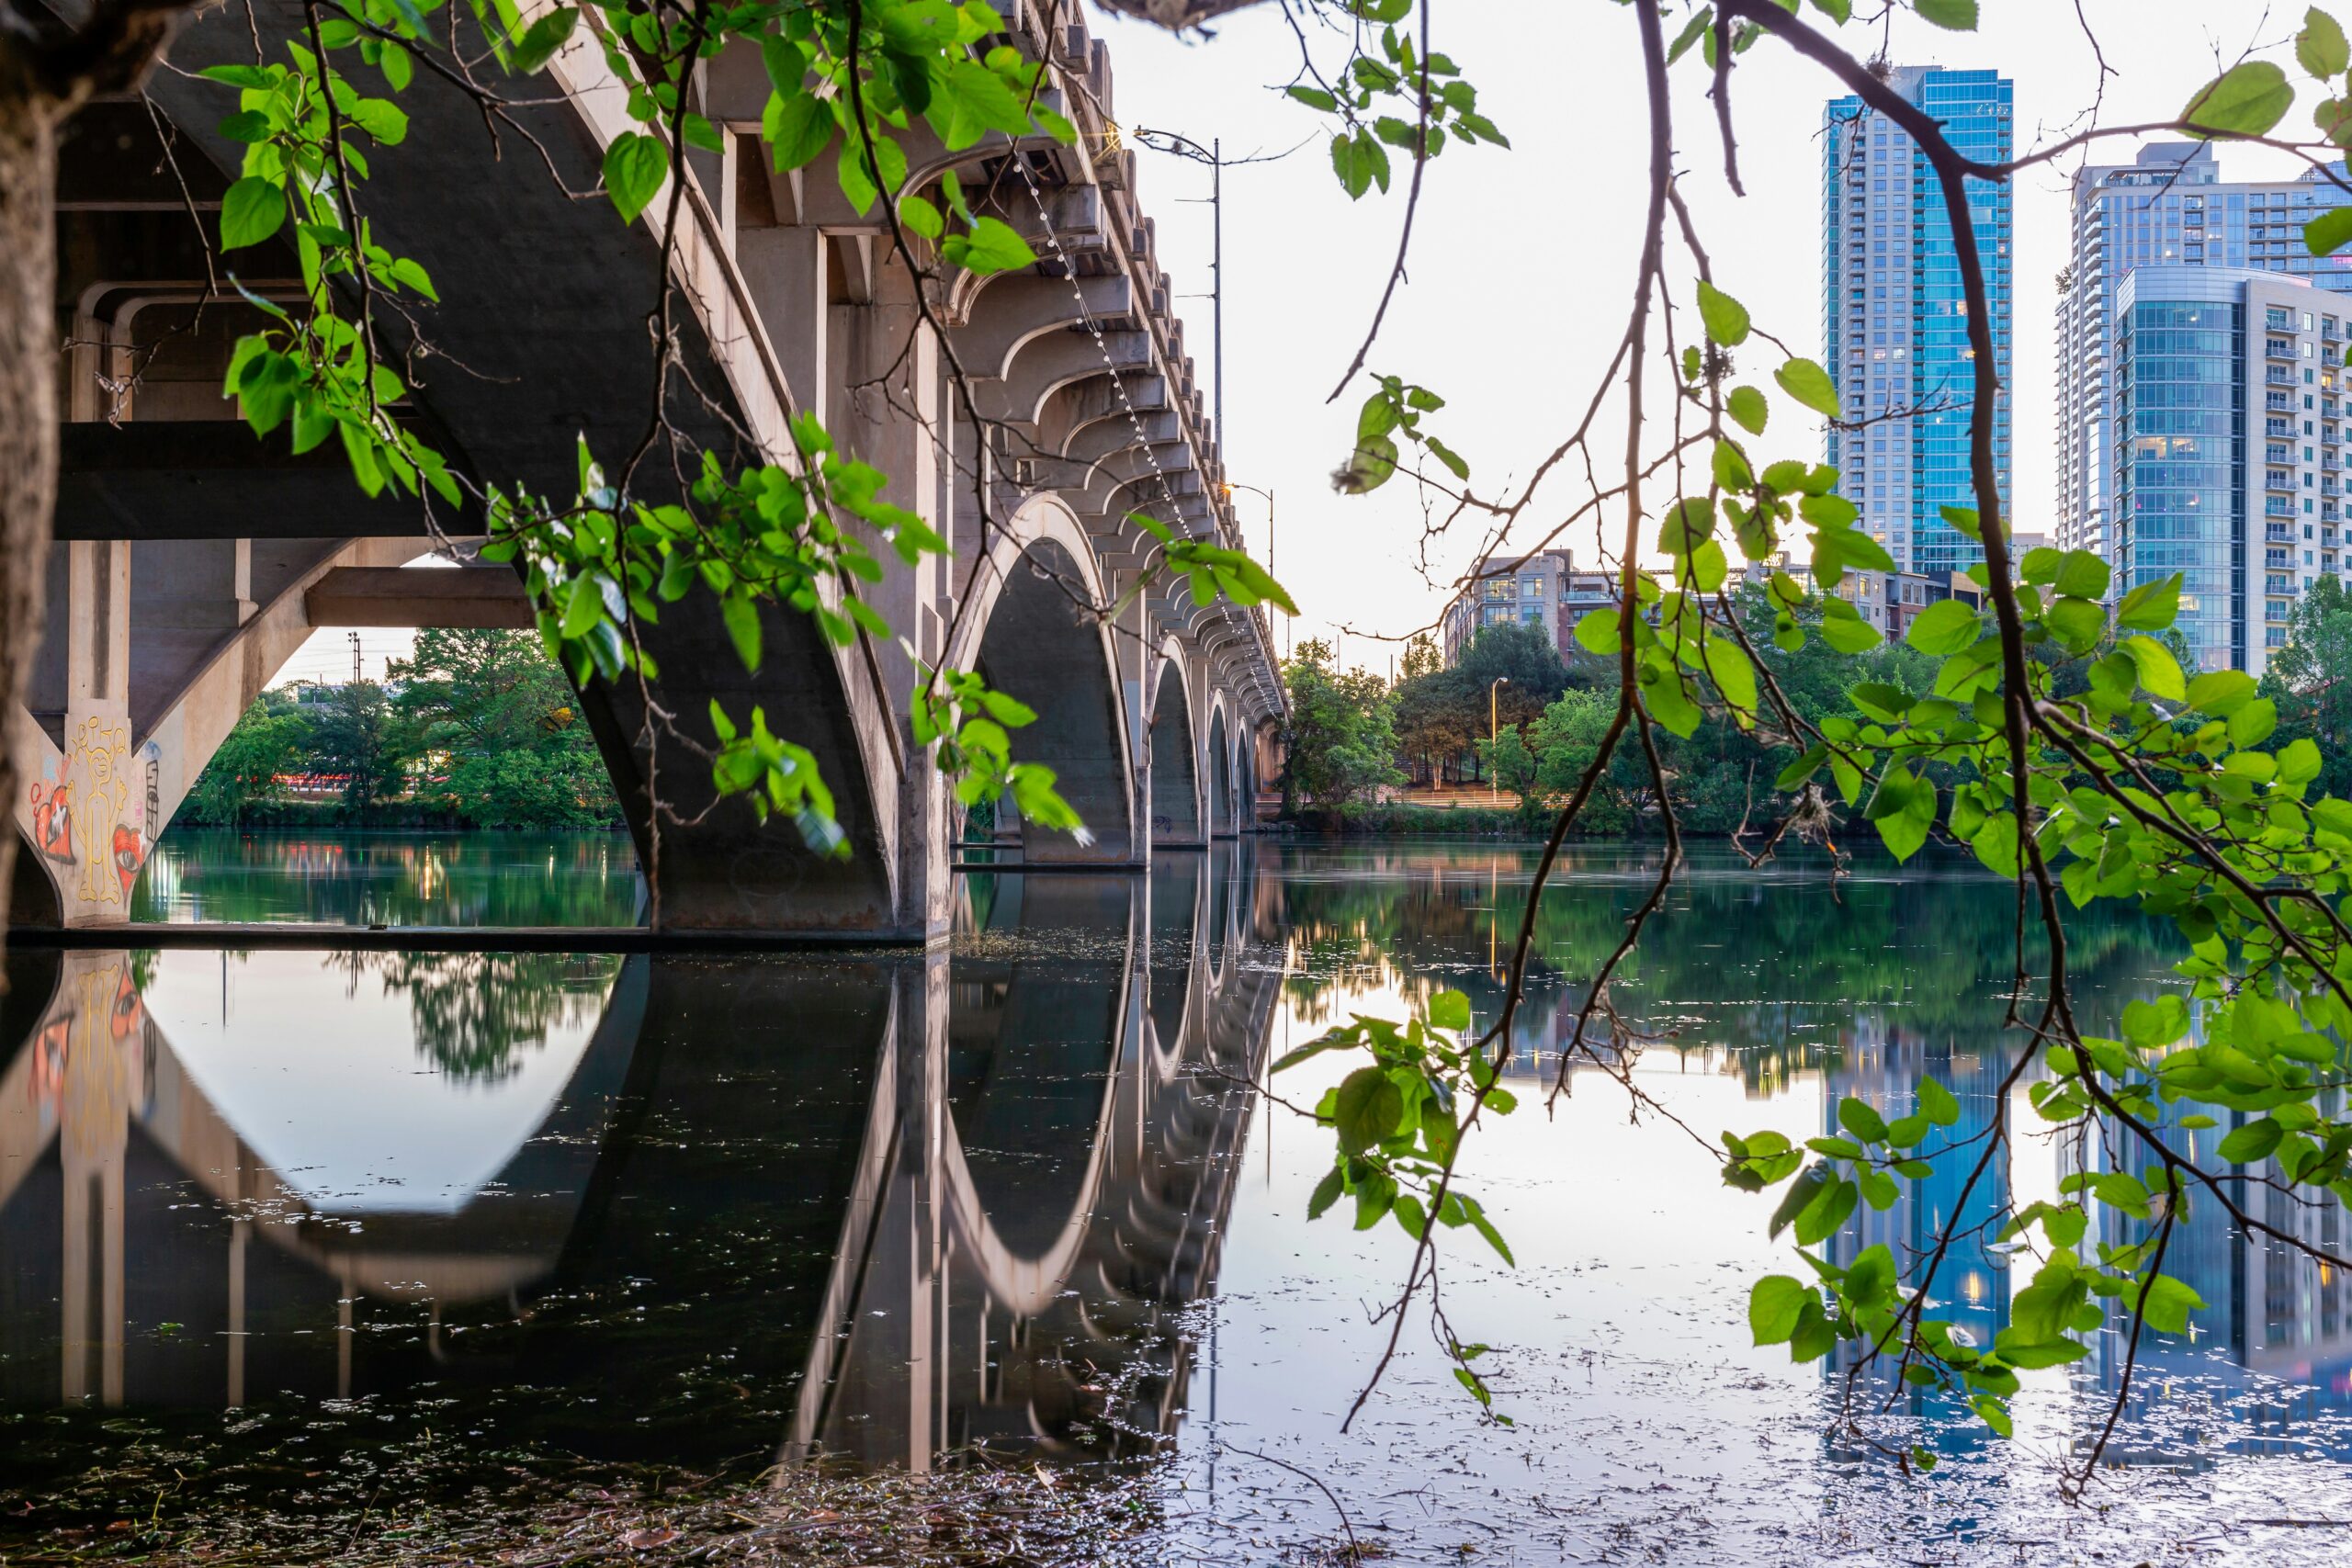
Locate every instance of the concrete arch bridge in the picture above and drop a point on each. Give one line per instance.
(192, 560)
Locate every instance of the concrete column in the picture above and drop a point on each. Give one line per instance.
(87, 807)
(1131, 640)
(785, 270)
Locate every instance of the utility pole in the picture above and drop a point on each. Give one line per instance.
(356, 675)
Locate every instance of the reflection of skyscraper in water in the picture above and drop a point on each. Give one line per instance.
(1882, 1065)
(2272, 1338)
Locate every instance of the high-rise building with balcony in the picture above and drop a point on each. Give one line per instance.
(2169, 206)
(1894, 317)
(2227, 460)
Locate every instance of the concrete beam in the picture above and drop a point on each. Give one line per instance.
(472, 598)
(215, 479)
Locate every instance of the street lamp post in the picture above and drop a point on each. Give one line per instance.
(1212, 155)
(1494, 737)
(1229, 488)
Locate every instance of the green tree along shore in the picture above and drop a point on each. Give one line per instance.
(479, 729)
(1359, 744)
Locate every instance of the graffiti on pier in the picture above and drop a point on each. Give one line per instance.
(87, 819)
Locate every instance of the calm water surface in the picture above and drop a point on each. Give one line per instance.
(325, 1225)
(231, 876)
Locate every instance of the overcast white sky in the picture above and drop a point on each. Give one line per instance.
(1521, 259)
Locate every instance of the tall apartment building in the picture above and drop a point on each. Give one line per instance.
(2169, 206)
(1546, 590)
(1894, 317)
(2227, 465)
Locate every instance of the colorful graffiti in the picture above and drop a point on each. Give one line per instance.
(87, 821)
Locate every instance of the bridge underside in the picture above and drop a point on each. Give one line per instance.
(194, 559)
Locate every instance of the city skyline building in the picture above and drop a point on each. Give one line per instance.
(2227, 462)
(2168, 206)
(1894, 318)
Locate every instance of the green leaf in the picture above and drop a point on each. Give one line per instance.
(1956, 15)
(1747, 409)
(1597, 631)
(1734, 675)
(2152, 606)
(1450, 1010)
(530, 54)
(1808, 1186)
(2159, 672)
(991, 246)
(1843, 628)
(382, 120)
(2329, 232)
(2082, 574)
(634, 166)
(1359, 161)
(1726, 318)
(797, 129)
(1326, 1192)
(2248, 99)
(1944, 627)
(251, 211)
(1937, 1103)
(1687, 526)
(263, 76)
(1314, 98)
(1368, 1109)
(2169, 1303)
(1773, 1303)
(741, 612)
(1861, 1119)
(2320, 46)
(1809, 384)
(2252, 1142)
(1995, 844)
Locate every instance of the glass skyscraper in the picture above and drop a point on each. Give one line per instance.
(1893, 316)
(2226, 465)
(2169, 206)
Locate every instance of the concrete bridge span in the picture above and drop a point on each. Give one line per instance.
(193, 559)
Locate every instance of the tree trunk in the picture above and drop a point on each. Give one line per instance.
(28, 118)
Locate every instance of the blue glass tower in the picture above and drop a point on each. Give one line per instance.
(1894, 318)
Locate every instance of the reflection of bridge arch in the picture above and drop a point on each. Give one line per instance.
(1140, 1239)
(105, 1117)
(1043, 1010)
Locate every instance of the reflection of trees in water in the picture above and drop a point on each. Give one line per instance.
(475, 1013)
(1775, 964)
(468, 879)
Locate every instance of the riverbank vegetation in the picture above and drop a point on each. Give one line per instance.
(1514, 715)
(478, 729)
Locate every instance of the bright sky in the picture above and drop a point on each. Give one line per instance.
(1522, 260)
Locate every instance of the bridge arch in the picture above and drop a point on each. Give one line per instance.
(1219, 763)
(1025, 631)
(1176, 818)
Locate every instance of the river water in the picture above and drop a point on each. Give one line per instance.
(309, 1226)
